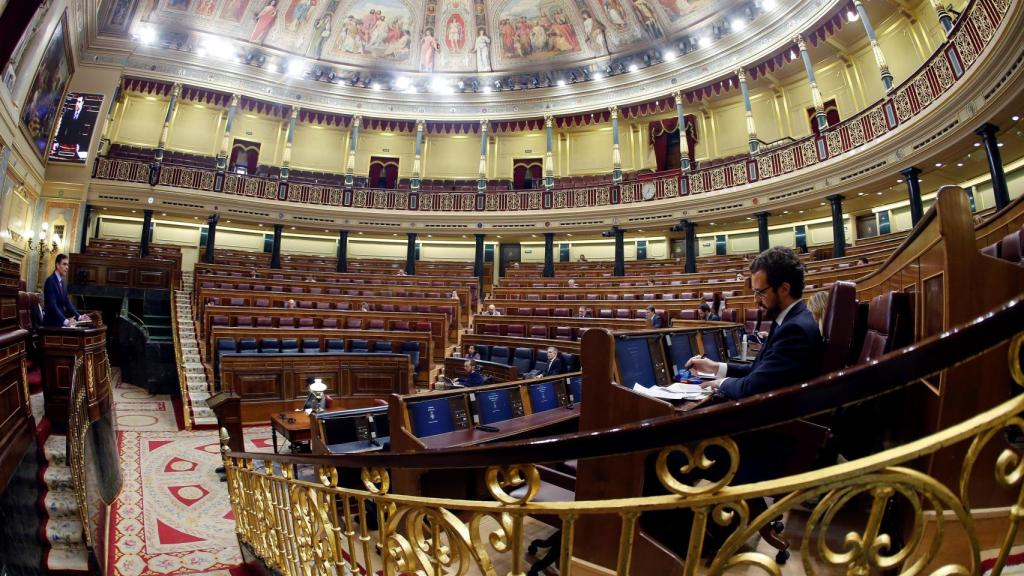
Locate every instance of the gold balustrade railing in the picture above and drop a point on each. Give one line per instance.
(297, 517)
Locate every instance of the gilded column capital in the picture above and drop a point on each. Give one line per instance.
(235, 100)
(176, 89)
(484, 125)
(801, 44)
(421, 125)
(549, 120)
(357, 119)
(614, 110)
(742, 74)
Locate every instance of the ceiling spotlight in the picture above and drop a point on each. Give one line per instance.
(1000, 144)
(879, 193)
(938, 164)
(561, 83)
(669, 55)
(959, 164)
(487, 89)
(598, 76)
(632, 67)
(898, 181)
(704, 41)
(331, 76)
(375, 86)
(201, 52)
(1015, 118)
(737, 24)
(295, 68)
(852, 16)
(146, 35)
(401, 83)
(768, 5)
(977, 144)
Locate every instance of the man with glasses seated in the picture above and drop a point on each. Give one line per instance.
(792, 351)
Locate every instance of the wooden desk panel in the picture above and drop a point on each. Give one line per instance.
(268, 383)
(426, 358)
(86, 269)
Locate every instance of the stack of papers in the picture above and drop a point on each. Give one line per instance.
(676, 391)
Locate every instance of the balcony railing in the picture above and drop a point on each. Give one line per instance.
(974, 31)
(295, 515)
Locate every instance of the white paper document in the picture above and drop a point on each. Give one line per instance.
(670, 394)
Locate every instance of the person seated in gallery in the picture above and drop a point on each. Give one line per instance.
(584, 312)
(556, 365)
(472, 353)
(472, 375)
(290, 304)
(492, 311)
(652, 315)
(582, 258)
(707, 314)
(792, 351)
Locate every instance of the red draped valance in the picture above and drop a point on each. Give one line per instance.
(324, 118)
(148, 86)
(268, 108)
(194, 94)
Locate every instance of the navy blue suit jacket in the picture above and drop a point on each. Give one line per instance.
(657, 321)
(58, 304)
(792, 354)
(556, 366)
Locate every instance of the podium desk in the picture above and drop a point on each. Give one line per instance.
(61, 349)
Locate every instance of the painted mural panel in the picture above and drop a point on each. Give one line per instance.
(374, 30)
(425, 35)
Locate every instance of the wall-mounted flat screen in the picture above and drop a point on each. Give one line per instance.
(77, 121)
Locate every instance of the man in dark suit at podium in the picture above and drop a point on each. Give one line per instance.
(59, 310)
(792, 352)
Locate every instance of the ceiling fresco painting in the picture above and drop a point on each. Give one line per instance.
(433, 35)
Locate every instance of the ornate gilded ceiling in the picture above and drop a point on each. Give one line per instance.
(406, 57)
(459, 36)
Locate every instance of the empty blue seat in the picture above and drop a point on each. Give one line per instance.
(310, 345)
(226, 345)
(383, 347)
(270, 345)
(335, 345)
(247, 345)
(412, 350)
(522, 359)
(500, 355)
(484, 350)
(359, 346)
(289, 346)
(540, 365)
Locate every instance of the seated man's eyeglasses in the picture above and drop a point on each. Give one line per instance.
(760, 292)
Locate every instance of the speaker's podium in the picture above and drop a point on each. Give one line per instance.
(61, 349)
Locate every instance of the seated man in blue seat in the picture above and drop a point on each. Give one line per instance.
(473, 377)
(792, 352)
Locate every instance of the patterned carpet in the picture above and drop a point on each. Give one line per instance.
(173, 515)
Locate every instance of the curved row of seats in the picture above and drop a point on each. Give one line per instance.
(524, 359)
(273, 345)
(1010, 248)
(317, 323)
(705, 296)
(245, 286)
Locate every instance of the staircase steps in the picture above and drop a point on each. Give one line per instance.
(61, 531)
(195, 385)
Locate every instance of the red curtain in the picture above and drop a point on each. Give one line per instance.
(831, 115)
(247, 152)
(527, 173)
(383, 172)
(660, 132)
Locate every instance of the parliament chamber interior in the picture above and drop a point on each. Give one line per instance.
(452, 287)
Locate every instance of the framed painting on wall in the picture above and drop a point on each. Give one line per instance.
(45, 98)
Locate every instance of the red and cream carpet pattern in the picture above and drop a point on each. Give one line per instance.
(173, 515)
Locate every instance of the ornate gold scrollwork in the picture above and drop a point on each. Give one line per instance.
(500, 478)
(697, 459)
(376, 480)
